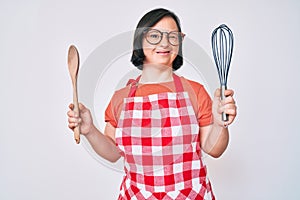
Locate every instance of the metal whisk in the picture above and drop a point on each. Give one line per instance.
(222, 46)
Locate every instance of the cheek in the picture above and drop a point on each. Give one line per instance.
(176, 49)
(147, 49)
(147, 52)
(175, 52)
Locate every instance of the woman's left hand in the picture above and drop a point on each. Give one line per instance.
(226, 105)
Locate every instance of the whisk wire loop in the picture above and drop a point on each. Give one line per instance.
(222, 45)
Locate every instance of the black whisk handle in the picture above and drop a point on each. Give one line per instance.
(224, 115)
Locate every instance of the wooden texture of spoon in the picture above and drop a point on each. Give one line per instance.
(73, 65)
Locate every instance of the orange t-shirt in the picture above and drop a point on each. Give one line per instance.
(199, 97)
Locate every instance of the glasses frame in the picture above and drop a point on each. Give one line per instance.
(162, 35)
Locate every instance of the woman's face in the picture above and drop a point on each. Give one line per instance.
(162, 53)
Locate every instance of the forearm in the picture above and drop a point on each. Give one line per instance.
(103, 145)
(217, 141)
(214, 138)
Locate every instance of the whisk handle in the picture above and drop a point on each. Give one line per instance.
(224, 115)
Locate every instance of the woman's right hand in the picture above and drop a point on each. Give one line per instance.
(85, 120)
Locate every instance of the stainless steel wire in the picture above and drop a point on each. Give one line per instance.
(222, 47)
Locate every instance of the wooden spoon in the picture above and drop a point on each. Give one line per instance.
(73, 65)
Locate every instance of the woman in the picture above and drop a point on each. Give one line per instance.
(160, 122)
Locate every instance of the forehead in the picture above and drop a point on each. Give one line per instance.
(166, 24)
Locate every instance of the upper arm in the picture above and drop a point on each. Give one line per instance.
(110, 131)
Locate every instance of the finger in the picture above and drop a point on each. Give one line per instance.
(229, 92)
(72, 125)
(71, 106)
(231, 115)
(230, 119)
(74, 120)
(228, 100)
(71, 113)
(229, 109)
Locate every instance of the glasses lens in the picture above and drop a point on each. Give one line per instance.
(175, 38)
(153, 36)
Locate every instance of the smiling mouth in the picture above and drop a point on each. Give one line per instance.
(163, 52)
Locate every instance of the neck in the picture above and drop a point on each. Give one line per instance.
(152, 74)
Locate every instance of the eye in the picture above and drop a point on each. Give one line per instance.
(173, 36)
(154, 35)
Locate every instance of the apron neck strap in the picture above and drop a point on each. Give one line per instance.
(134, 85)
(178, 83)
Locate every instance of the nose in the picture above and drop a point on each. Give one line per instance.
(164, 41)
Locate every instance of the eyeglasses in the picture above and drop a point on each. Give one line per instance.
(154, 36)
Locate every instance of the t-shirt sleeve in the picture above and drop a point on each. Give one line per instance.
(109, 115)
(204, 115)
(202, 103)
(113, 110)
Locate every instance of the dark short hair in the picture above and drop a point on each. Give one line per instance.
(149, 20)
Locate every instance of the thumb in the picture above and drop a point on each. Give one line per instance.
(217, 93)
(82, 107)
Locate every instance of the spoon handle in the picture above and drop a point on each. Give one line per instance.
(76, 110)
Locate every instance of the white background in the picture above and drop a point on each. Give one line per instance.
(38, 156)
